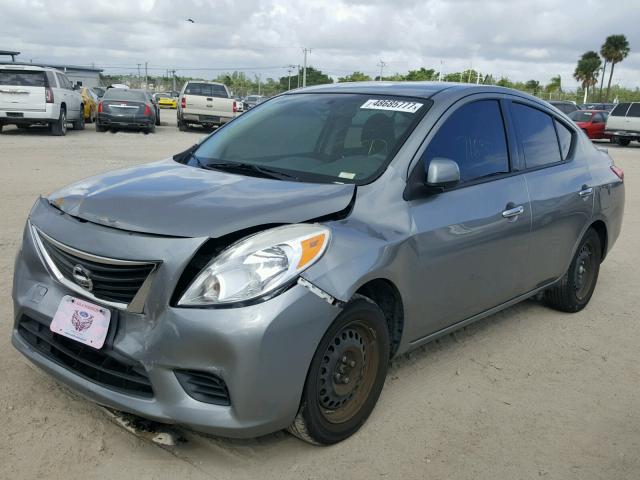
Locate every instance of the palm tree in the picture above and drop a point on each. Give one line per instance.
(587, 71)
(615, 49)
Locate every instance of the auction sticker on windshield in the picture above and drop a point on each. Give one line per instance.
(392, 105)
(82, 321)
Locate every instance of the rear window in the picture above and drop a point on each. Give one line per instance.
(565, 107)
(123, 94)
(206, 90)
(22, 78)
(580, 116)
(620, 110)
(634, 110)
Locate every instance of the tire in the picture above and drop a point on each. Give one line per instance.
(151, 129)
(59, 127)
(158, 117)
(92, 116)
(183, 127)
(79, 124)
(100, 128)
(346, 375)
(574, 290)
(623, 141)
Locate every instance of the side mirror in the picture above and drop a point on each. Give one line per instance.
(441, 173)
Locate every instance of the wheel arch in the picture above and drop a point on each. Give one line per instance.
(387, 296)
(601, 229)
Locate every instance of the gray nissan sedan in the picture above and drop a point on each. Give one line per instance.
(264, 278)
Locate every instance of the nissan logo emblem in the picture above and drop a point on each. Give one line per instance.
(82, 277)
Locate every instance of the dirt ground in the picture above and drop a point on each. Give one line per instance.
(528, 393)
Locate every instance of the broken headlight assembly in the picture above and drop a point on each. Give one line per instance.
(257, 265)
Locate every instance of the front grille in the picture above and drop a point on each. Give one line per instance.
(103, 367)
(113, 280)
(204, 387)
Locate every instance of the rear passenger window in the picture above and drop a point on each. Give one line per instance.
(634, 110)
(564, 136)
(474, 137)
(620, 110)
(537, 135)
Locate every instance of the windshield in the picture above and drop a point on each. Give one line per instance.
(579, 116)
(346, 138)
(22, 78)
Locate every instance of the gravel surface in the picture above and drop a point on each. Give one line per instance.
(528, 393)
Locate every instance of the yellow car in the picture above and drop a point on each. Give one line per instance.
(90, 101)
(165, 100)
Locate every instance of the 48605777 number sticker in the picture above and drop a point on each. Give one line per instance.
(392, 105)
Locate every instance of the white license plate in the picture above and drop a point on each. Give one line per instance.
(82, 321)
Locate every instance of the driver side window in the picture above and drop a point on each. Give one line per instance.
(474, 137)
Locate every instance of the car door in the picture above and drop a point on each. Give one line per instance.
(559, 184)
(597, 124)
(471, 240)
(62, 92)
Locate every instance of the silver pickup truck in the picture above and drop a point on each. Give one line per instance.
(206, 103)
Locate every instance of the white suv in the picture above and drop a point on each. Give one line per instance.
(31, 95)
(623, 123)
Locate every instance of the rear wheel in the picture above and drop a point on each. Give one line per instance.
(79, 124)
(59, 127)
(574, 290)
(158, 117)
(182, 126)
(623, 141)
(100, 128)
(346, 375)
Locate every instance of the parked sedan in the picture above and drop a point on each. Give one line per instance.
(564, 106)
(128, 109)
(592, 122)
(263, 278)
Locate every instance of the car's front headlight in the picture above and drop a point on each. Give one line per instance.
(257, 265)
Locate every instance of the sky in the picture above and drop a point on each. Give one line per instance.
(518, 39)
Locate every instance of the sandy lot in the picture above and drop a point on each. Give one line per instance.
(525, 394)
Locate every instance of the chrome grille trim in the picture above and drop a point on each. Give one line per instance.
(137, 303)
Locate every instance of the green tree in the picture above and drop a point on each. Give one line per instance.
(314, 77)
(504, 82)
(614, 50)
(532, 86)
(355, 77)
(586, 71)
(555, 85)
(420, 75)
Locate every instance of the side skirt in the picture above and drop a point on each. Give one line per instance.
(475, 318)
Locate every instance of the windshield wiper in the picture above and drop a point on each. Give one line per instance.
(246, 168)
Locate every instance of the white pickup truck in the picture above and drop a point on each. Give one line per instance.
(206, 103)
(623, 123)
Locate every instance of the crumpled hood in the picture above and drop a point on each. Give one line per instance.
(169, 198)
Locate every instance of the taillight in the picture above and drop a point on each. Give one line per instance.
(183, 102)
(147, 110)
(48, 94)
(100, 107)
(235, 107)
(618, 171)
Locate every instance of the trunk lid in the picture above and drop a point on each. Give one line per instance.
(22, 90)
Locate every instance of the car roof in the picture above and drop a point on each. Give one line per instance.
(427, 90)
(27, 66)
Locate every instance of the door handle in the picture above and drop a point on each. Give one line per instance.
(586, 191)
(210, 99)
(513, 212)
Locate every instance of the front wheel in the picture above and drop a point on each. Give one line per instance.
(574, 290)
(346, 375)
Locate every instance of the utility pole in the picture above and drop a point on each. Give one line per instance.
(173, 78)
(146, 81)
(289, 70)
(382, 64)
(298, 76)
(478, 80)
(259, 82)
(440, 72)
(139, 80)
(304, 71)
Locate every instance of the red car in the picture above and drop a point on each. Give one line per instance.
(591, 121)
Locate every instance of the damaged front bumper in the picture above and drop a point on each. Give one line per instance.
(260, 352)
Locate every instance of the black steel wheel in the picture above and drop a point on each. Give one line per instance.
(574, 290)
(346, 375)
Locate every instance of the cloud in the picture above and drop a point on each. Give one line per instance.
(517, 39)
